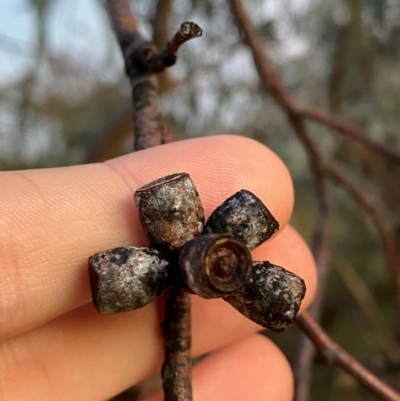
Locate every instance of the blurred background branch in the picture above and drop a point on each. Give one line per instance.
(321, 171)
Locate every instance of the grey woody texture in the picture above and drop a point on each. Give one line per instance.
(244, 216)
(170, 210)
(177, 366)
(127, 278)
(271, 298)
(211, 260)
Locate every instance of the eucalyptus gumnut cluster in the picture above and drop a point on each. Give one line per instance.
(211, 259)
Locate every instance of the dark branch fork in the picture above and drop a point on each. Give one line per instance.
(142, 62)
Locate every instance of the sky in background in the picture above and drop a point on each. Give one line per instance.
(78, 28)
(78, 33)
(75, 27)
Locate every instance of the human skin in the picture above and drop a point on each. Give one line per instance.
(55, 346)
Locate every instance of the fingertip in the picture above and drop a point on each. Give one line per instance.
(220, 166)
(62, 216)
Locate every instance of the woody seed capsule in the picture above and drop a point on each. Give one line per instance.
(127, 278)
(214, 265)
(170, 210)
(244, 216)
(271, 298)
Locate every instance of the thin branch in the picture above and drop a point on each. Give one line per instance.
(189, 30)
(268, 77)
(305, 350)
(148, 121)
(334, 354)
(160, 22)
(362, 295)
(142, 63)
(177, 368)
(348, 130)
(124, 23)
(113, 138)
(301, 365)
(273, 85)
(380, 222)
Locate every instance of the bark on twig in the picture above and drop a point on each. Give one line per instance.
(362, 295)
(177, 368)
(381, 224)
(124, 23)
(160, 22)
(334, 354)
(142, 63)
(274, 86)
(114, 137)
(348, 130)
(305, 350)
(137, 51)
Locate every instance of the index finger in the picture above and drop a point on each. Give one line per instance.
(53, 219)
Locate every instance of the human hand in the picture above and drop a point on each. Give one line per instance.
(55, 346)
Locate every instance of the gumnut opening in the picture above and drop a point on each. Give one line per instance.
(214, 265)
(271, 298)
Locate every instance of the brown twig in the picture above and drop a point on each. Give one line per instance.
(359, 290)
(273, 85)
(142, 63)
(305, 351)
(124, 24)
(188, 31)
(380, 222)
(113, 137)
(177, 368)
(348, 130)
(148, 121)
(302, 368)
(334, 354)
(161, 22)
